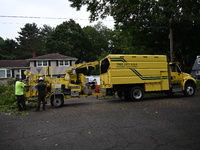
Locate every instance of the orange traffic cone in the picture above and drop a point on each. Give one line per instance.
(96, 90)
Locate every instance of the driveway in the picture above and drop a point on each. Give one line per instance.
(156, 123)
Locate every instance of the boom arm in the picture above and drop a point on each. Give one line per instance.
(72, 69)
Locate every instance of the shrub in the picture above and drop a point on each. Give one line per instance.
(7, 94)
(10, 81)
(198, 82)
(7, 99)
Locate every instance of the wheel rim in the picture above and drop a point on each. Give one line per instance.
(137, 94)
(57, 102)
(190, 90)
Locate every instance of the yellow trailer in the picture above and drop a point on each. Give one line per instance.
(133, 75)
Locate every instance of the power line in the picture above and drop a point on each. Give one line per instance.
(32, 17)
(56, 18)
(23, 23)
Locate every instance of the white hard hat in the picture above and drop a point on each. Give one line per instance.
(41, 78)
(91, 79)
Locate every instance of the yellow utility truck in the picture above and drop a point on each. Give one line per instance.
(133, 75)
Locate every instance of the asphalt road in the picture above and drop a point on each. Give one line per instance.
(156, 123)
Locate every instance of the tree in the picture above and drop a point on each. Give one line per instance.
(148, 23)
(69, 39)
(8, 49)
(30, 41)
(94, 45)
(46, 30)
(45, 33)
(100, 39)
(1, 47)
(137, 18)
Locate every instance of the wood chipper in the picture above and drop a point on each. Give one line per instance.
(73, 84)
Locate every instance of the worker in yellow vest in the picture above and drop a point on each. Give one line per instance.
(19, 93)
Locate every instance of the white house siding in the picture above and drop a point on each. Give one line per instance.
(196, 68)
(97, 77)
(56, 70)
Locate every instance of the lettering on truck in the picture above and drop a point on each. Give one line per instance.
(127, 65)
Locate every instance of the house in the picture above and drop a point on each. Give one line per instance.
(12, 68)
(196, 68)
(59, 63)
(36, 65)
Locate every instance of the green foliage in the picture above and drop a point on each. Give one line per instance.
(8, 49)
(141, 27)
(198, 85)
(45, 33)
(68, 39)
(10, 81)
(8, 99)
(30, 41)
(7, 95)
(198, 82)
(99, 40)
(148, 22)
(1, 47)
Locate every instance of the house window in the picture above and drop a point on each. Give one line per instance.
(198, 72)
(198, 59)
(63, 63)
(5, 73)
(42, 63)
(8, 72)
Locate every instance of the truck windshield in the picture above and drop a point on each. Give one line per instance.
(175, 68)
(104, 66)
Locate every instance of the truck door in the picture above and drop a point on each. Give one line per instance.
(176, 74)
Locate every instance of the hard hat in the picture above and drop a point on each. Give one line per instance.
(41, 78)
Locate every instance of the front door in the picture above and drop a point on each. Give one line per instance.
(23, 76)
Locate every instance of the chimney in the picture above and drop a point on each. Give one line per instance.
(34, 54)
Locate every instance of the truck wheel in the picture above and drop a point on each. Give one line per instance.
(189, 90)
(136, 93)
(57, 102)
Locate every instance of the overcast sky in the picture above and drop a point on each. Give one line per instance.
(12, 10)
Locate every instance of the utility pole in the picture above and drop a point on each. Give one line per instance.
(171, 40)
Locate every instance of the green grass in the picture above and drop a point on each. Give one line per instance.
(8, 100)
(198, 85)
(13, 109)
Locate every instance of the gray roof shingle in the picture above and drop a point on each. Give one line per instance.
(14, 63)
(53, 56)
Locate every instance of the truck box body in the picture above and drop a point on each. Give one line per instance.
(149, 70)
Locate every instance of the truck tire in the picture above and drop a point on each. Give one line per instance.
(189, 89)
(136, 93)
(57, 102)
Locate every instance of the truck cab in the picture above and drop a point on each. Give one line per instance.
(181, 81)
